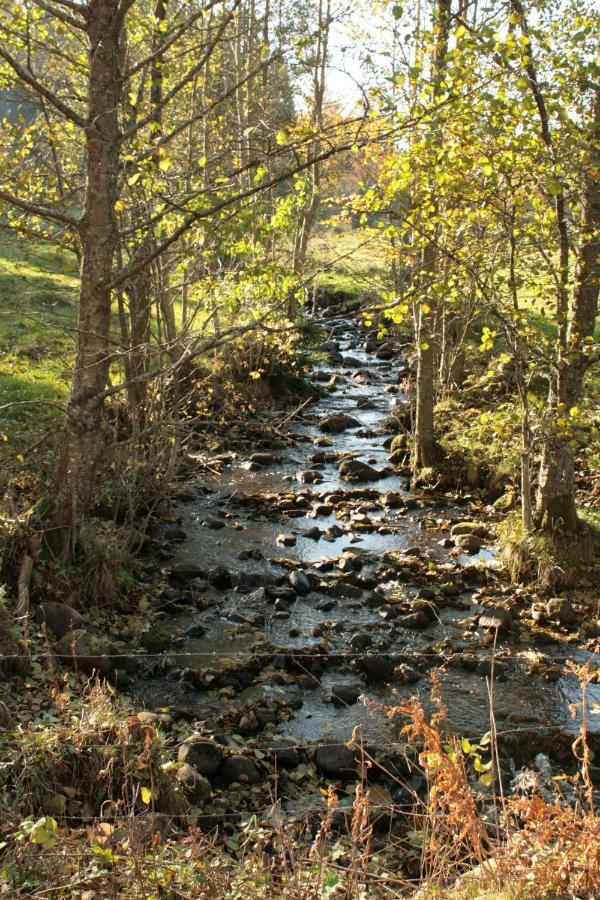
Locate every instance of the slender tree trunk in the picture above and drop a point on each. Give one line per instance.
(555, 502)
(81, 443)
(308, 216)
(426, 451)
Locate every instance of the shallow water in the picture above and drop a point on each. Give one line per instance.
(522, 697)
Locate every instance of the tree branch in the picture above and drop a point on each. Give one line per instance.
(63, 16)
(185, 80)
(30, 79)
(43, 212)
(159, 51)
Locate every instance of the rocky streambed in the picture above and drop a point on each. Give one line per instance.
(310, 590)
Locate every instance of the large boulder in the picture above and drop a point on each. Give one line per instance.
(58, 617)
(196, 786)
(400, 442)
(496, 618)
(470, 543)
(560, 610)
(87, 652)
(337, 423)
(201, 753)
(300, 582)
(476, 528)
(335, 759)
(242, 769)
(355, 470)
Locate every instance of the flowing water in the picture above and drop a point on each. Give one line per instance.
(236, 621)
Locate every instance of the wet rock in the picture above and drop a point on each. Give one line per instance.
(470, 543)
(214, 522)
(377, 667)
(337, 423)
(300, 582)
(345, 589)
(560, 610)
(203, 755)
(241, 769)
(346, 694)
(313, 533)
(58, 617)
(253, 553)
(361, 640)
(194, 631)
(326, 605)
(173, 534)
(195, 785)
(321, 509)
(187, 571)
(415, 620)
(220, 578)
(265, 459)
(355, 470)
(156, 640)
(496, 618)
(427, 607)
(286, 539)
(351, 362)
(285, 755)
(335, 759)
(460, 528)
(309, 476)
(450, 589)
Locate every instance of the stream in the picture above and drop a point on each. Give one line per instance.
(319, 600)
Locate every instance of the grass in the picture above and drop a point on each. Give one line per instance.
(38, 292)
(350, 260)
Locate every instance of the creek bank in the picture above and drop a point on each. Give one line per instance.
(295, 605)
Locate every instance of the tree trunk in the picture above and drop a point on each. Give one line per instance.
(81, 443)
(555, 502)
(426, 451)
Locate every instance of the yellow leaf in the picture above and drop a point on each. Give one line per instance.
(146, 795)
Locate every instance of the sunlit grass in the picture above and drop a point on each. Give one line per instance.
(352, 260)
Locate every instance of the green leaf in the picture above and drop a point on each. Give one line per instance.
(44, 832)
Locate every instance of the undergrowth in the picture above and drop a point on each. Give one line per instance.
(89, 808)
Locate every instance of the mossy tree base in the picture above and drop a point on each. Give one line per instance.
(551, 559)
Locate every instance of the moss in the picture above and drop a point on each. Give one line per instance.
(550, 560)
